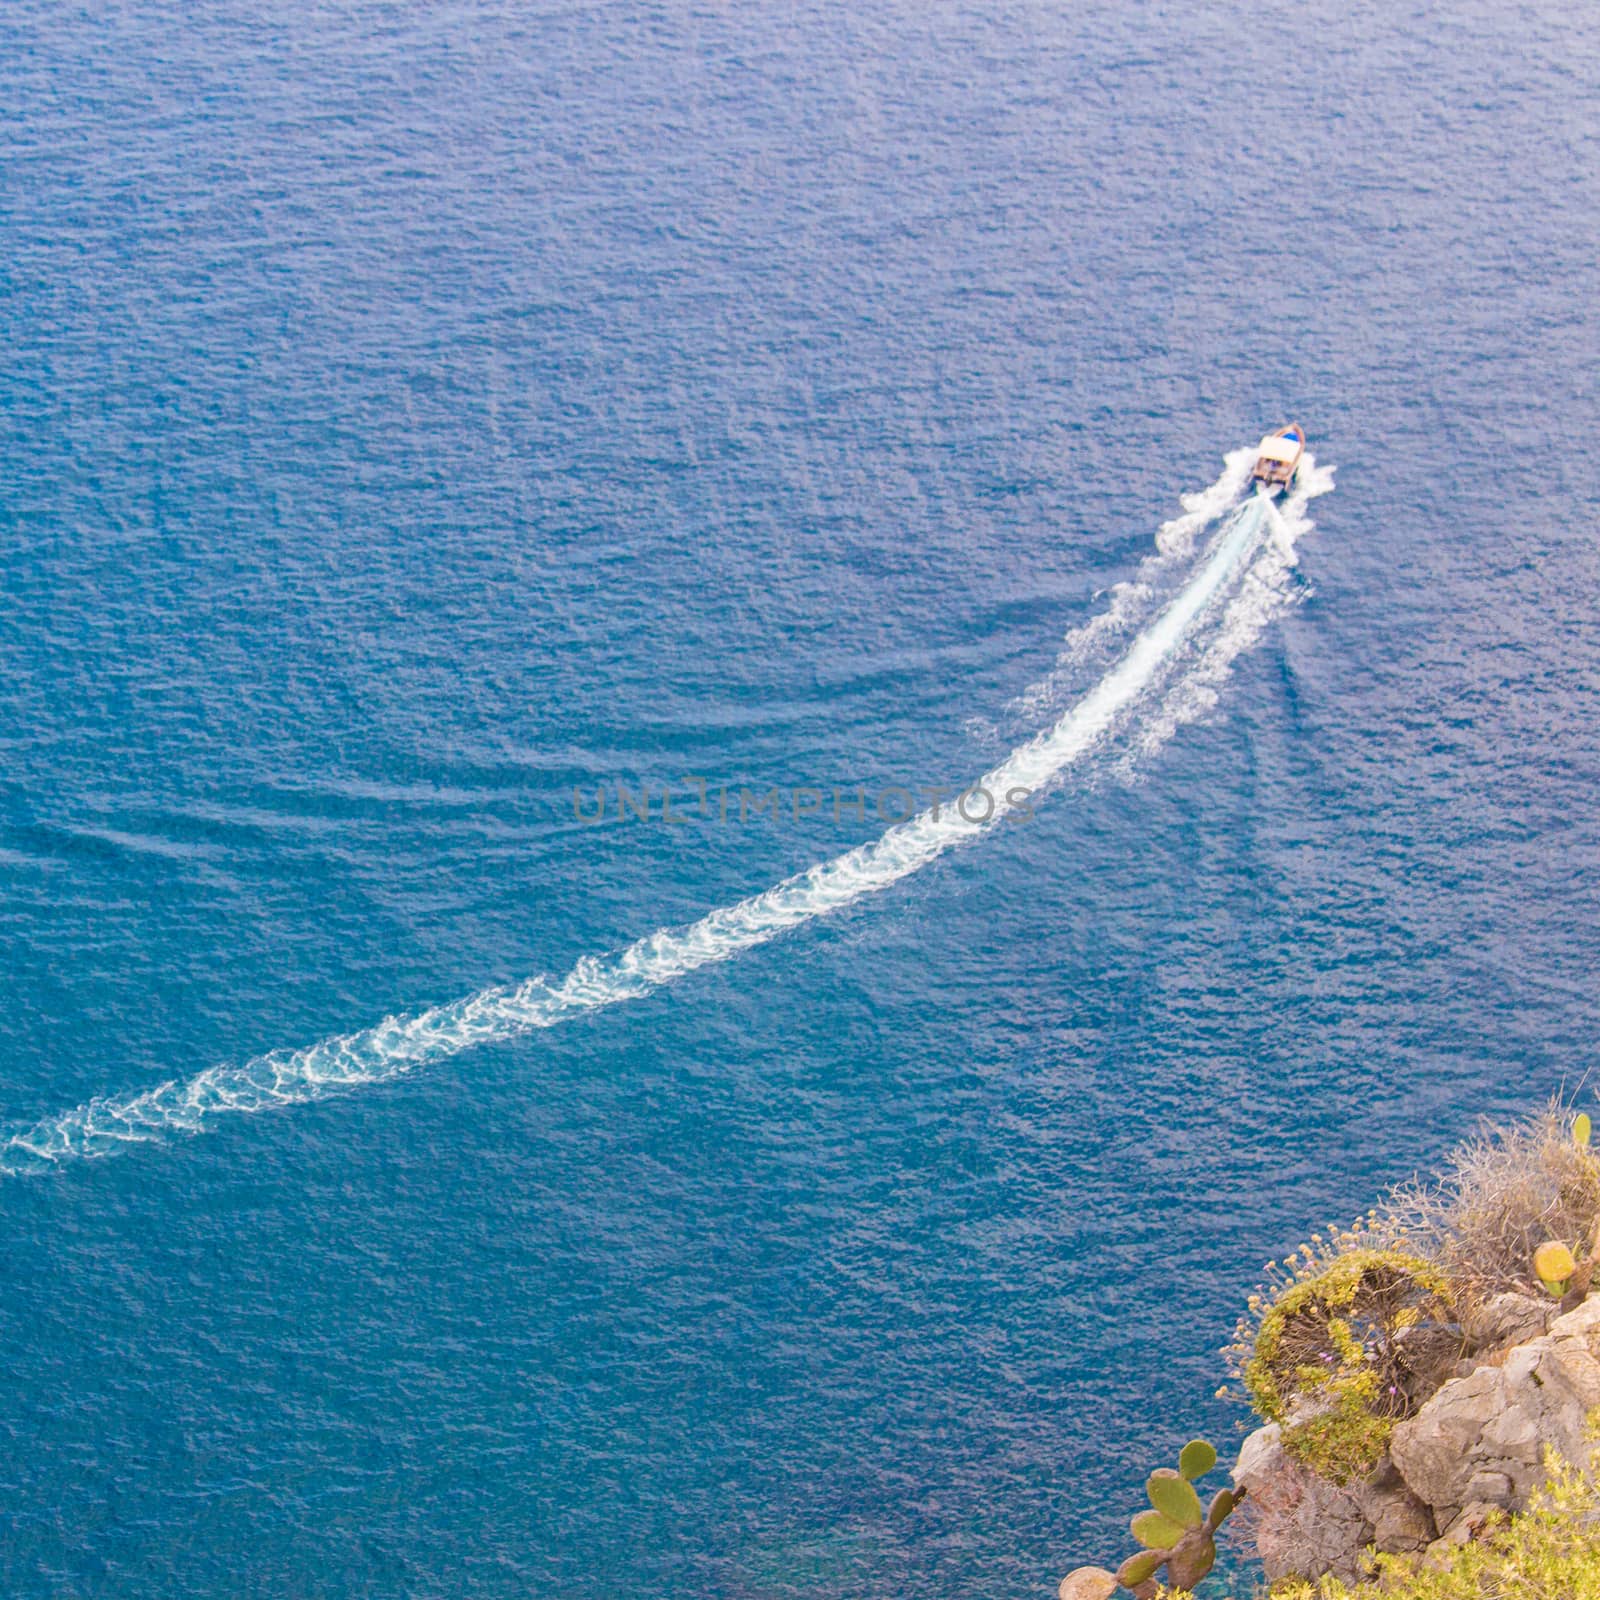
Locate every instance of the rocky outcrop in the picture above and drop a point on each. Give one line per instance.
(1477, 1446)
(1305, 1526)
(1503, 1321)
(1480, 1441)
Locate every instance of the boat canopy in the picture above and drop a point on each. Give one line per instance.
(1277, 448)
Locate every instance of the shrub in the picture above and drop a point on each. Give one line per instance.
(1505, 1192)
(1551, 1551)
(1347, 1347)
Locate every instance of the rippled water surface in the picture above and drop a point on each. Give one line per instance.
(411, 413)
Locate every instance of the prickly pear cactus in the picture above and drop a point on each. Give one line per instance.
(1176, 1534)
(1088, 1583)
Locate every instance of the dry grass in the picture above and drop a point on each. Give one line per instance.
(1503, 1193)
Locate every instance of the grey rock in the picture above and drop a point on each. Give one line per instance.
(1482, 1438)
(1490, 1489)
(1400, 1522)
(1469, 1524)
(1506, 1320)
(1306, 1526)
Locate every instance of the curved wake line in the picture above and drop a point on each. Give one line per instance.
(400, 1045)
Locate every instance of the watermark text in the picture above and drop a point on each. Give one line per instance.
(693, 799)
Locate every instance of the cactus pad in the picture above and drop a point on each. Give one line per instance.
(1553, 1262)
(1222, 1504)
(1196, 1459)
(1156, 1532)
(1173, 1496)
(1139, 1568)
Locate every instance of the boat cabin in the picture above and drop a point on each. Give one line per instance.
(1278, 457)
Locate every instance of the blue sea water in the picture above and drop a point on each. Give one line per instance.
(412, 412)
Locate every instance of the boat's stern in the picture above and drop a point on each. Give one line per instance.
(1278, 458)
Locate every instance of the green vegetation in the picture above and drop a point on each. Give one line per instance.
(1175, 1532)
(1551, 1551)
(1345, 1350)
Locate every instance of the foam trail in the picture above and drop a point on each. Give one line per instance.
(1134, 597)
(1266, 589)
(1253, 544)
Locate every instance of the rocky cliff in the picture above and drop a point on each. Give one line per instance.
(1530, 1384)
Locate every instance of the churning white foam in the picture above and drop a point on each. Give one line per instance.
(1131, 601)
(1265, 590)
(1168, 674)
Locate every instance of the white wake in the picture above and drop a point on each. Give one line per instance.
(1168, 675)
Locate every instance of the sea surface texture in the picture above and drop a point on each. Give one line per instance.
(421, 1175)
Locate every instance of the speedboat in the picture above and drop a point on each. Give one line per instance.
(1278, 458)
